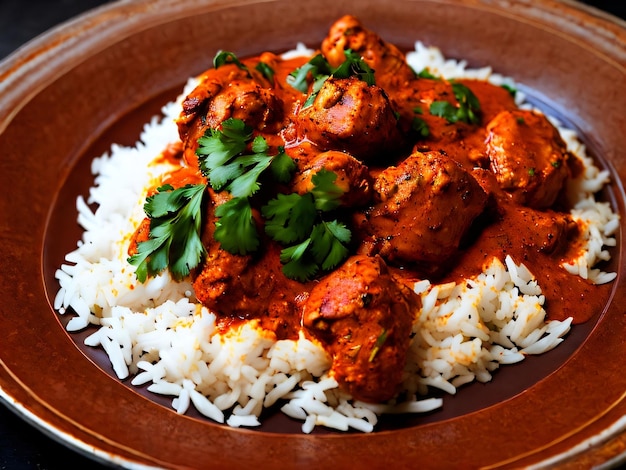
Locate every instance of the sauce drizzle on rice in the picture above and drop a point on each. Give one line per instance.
(483, 310)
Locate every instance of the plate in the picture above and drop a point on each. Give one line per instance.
(67, 96)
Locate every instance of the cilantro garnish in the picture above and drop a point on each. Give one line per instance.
(266, 70)
(468, 110)
(225, 57)
(318, 67)
(320, 70)
(298, 221)
(425, 73)
(235, 228)
(223, 161)
(511, 89)
(175, 223)
(419, 126)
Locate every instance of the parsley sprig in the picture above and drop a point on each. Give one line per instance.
(468, 110)
(299, 222)
(175, 223)
(320, 70)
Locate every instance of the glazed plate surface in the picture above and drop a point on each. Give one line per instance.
(66, 97)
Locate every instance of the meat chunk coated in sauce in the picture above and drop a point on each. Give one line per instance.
(363, 315)
(348, 114)
(415, 202)
(528, 157)
(440, 204)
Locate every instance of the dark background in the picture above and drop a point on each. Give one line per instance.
(23, 447)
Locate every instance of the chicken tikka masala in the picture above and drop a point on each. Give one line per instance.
(409, 176)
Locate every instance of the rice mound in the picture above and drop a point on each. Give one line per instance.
(156, 333)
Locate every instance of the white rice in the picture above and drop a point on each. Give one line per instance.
(157, 334)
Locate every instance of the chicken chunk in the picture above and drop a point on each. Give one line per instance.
(364, 317)
(353, 177)
(385, 58)
(223, 93)
(528, 157)
(350, 115)
(426, 206)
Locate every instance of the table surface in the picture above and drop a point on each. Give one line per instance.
(22, 447)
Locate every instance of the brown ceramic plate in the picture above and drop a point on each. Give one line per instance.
(67, 96)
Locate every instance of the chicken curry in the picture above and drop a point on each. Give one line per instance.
(428, 178)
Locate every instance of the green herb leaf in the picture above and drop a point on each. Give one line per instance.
(266, 70)
(468, 110)
(317, 67)
(328, 244)
(355, 66)
(297, 221)
(174, 239)
(420, 127)
(222, 161)
(425, 73)
(235, 228)
(320, 70)
(511, 89)
(282, 166)
(225, 57)
(289, 217)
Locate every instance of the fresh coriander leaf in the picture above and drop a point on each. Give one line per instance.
(327, 244)
(216, 147)
(468, 110)
(282, 166)
(296, 265)
(326, 193)
(445, 110)
(468, 103)
(221, 158)
(425, 73)
(225, 57)
(174, 239)
(317, 67)
(315, 89)
(354, 65)
(266, 70)
(419, 126)
(511, 89)
(320, 70)
(297, 220)
(289, 217)
(235, 228)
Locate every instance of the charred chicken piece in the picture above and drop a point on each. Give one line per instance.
(223, 93)
(364, 317)
(353, 177)
(528, 157)
(426, 206)
(385, 58)
(350, 115)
